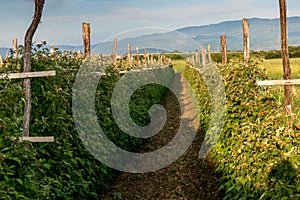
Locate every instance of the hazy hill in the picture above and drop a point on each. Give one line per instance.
(264, 35)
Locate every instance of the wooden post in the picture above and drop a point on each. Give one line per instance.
(114, 52)
(6, 55)
(86, 35)
(137, 55)
(1, 60)
(152, 59)
(197, 57)
(203, 53)
(15, 44)
(288, 95)
(145, 56)
(129, 54)
(193, 60)
(78, 54)
(224, 49)
(52, 51)
(39, 5)
(246, 40)
(209, 53)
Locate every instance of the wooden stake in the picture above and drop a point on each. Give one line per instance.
(52, 51)
(86, 35)
(15, 44)
(193, 60)
(209, 53)
(288, 95)
(203, 53)
(1, 60)
(145, 56)
(129, 54)
(39, 5)
(197, 57)
(78, 54)
(137, 55)
(224, 49)
(114, 52)
(152, 59)
(6, 55)
(246, 40)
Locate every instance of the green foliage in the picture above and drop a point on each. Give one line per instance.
(63, 169)
(294, 52)
(257, 153)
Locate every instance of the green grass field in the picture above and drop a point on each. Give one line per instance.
(275, 72)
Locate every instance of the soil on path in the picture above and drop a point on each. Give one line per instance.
(189, 178)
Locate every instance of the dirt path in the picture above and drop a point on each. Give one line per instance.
(188, 178)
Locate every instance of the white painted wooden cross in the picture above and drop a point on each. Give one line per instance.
(31, 75)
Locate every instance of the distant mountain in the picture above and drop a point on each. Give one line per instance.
(264, 35)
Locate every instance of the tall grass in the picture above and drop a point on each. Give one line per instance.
(275, 70)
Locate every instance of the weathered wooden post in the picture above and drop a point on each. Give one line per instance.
(52, 51)
(224, 49)
(39, 5)
(1, 60)
(78, 54)
(137, 55)
(197, 57)
(193, 60)
(129, 54)
(209, 53)
(15, 45)
(203, 53)
(86, 35)
(145, 57)
(114, 52)
(152, 59)
(6, 55)
(246, 40)
(288, 95)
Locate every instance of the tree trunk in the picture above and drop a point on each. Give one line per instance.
(288, 95)
(39, 5)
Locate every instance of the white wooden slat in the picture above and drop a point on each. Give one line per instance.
(27, 75)
(279, 82)
(38, 139)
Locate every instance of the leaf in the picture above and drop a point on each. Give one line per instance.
(15, 159)
(47, 166)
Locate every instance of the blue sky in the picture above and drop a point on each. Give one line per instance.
(61, 22)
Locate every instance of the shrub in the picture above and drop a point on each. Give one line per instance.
(257, 152)
(63, 169)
